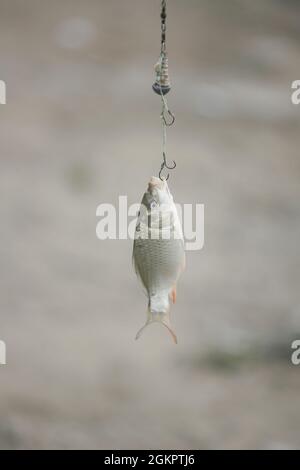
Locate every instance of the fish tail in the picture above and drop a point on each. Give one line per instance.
(163, 318)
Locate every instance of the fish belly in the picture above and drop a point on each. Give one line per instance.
(158, 263)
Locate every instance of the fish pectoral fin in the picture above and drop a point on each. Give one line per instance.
(173, 294)
(183, 264)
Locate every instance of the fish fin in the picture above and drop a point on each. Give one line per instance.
(171, 332)
(141, 330)
(162, 318)
(173, 294)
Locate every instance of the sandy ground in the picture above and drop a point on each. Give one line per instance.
(81, 127)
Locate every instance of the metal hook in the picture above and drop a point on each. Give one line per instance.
(160, 172)
(165, 165)
(164, 117)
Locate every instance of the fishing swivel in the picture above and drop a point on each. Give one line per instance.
(162, 84)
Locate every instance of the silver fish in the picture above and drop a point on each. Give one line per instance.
(158, 252)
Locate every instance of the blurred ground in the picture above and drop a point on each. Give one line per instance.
(82, 127)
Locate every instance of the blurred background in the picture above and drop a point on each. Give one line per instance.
(81, 127)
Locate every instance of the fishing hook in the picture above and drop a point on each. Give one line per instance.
(160, 172)
(165, 117)
(165, 165)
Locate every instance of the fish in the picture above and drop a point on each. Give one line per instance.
(158, 252)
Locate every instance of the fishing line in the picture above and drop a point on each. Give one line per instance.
(162, 86)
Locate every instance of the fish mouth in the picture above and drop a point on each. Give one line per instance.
(156, 183)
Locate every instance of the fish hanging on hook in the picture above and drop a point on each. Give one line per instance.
(158, 252)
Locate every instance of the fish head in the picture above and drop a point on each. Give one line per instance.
(157, 194)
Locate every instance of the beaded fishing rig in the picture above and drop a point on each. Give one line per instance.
(162, 86)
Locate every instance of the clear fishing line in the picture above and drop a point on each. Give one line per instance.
(162, 86)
